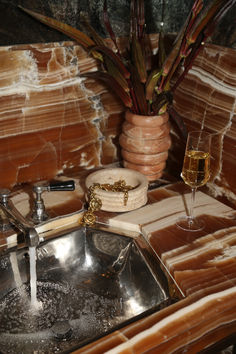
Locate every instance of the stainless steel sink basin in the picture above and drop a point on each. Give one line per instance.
(89, 282)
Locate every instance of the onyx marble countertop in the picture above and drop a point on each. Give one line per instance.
(202, 263)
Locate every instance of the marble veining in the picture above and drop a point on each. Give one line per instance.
(149, 219)
(53, 122)
(207, 99)
(170, 326)
(51, 119)
(202, 263)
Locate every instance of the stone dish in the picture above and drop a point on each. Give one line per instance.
(114, 201)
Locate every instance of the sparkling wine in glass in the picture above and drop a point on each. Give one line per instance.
(195, 173)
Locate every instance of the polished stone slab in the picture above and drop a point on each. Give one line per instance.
(204, 266)
(202, 263)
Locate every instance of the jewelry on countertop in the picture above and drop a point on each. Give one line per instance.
(95, 203)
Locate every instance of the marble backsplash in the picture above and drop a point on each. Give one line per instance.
(54, 122)
(207, 99)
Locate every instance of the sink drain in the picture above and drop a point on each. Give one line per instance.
(62, 330)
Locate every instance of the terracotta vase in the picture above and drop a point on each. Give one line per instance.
(145, 141)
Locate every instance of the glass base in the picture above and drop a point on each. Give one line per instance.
(190, 224)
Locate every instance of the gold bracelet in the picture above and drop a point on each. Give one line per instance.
(95, 203)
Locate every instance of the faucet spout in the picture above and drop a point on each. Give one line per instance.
(33, 237)
(17, 219)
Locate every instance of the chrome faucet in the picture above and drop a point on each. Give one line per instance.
(39, 212)
(9, 215)
(15, 218)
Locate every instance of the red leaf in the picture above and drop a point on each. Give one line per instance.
(74, 33)
(113, 84)
(108, 26)
(114, 58)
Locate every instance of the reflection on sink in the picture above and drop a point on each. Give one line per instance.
(89, 282)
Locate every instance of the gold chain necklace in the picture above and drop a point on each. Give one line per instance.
(95, 203)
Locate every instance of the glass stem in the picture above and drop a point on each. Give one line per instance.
(192, 204)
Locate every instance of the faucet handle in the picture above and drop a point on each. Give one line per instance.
(4, 195)
(39, 213)
(62, 186)
(4, 222)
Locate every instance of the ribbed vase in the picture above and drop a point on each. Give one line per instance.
(145, 141)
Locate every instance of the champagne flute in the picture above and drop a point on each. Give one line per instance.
(195, 173)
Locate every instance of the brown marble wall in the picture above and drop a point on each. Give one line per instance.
(207, 99)
(53, 122)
